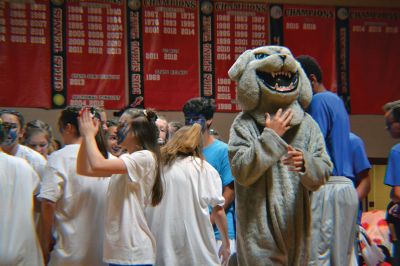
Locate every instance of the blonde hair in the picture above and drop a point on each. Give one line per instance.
(187, 141)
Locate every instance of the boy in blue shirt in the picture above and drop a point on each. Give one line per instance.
(334, 206)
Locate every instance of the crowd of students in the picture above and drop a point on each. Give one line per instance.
(126, 191)
(137, 190)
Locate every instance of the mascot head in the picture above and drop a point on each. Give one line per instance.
(269, 78)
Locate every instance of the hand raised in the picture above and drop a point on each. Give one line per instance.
(88, 125)
(280, 123)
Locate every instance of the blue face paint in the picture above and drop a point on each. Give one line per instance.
(11, 138)
(199, 119)
(122, 133)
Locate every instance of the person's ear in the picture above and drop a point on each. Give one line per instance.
(70, 129)
(313, 80)
(21, 132)
(208, 123)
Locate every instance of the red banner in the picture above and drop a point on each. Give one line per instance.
(374, 54)
(25, 54)
(312, 31)
(95, 53)
(237, 27)
(171, 53)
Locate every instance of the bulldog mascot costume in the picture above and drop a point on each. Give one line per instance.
(273, 197)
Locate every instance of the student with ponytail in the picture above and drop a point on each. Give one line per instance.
(181, 223)
(73, 205)
(135, 183)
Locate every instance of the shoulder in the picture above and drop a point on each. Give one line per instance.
(326, 98)
(242, 118)
(16, 162)
(29, 154)
(142, 156)
(355, 140)
(220, 145)
(65, 152)
(396, 148)
(309, 122)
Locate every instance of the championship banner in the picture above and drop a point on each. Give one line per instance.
(374, 36)
(95, 53)
(25, 54)
(238, 26)
(309, 30)
(135, 54)
(170, 53)
(207, 73)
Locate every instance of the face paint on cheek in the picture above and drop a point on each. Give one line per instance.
(12, 137)
(122, 133)
(200, 119)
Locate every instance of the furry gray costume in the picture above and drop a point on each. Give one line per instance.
(273, 204)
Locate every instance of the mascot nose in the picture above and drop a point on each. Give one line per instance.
(283, 57)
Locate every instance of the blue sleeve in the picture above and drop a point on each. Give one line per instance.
(360, 158)
(319, 111)
(225, 170)
(392, 176)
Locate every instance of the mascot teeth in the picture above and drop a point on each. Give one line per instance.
(280, 81)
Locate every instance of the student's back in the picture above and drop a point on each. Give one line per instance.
(18, 241)
(181, 222)
(80, 209)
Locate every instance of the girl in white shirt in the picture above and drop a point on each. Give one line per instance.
(73, 205)
(18, 185)
(181, 222)
(135, 183)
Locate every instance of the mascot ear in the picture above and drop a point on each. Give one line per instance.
(305, 94)
(236, 71)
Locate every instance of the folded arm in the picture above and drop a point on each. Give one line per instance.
(252, 154)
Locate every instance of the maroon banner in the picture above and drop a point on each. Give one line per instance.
(374, 55)
(237, 27)
(171, 53)
(95, 53)
(312, 31)
(25, 54)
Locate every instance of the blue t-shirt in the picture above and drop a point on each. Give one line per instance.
(216, 154)
(392, 176)
(360, 162)
(329, 112)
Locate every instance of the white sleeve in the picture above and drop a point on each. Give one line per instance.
(210, 186)
(52, 185)
(139, 164)
(27, 170)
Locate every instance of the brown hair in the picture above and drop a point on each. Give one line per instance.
(187, 141)
(35, 127)
(70, 116)
(142, 124)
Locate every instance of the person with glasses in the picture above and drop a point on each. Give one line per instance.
(392, 177)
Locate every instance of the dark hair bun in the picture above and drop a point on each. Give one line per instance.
(151, 115)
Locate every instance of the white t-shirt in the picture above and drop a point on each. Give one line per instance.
(128, 239)
(181, 222)
(18, 241)
(35, 159)
(80, 209)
